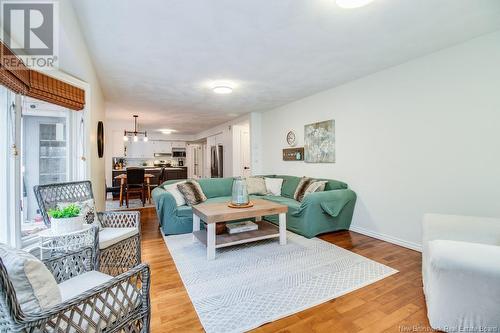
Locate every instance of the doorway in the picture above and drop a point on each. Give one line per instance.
(241, 150)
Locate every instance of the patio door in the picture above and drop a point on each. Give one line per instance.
(47, 154)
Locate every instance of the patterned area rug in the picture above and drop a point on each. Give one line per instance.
(133, 204)
(251, 284)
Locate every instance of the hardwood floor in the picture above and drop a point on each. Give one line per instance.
(394, 304)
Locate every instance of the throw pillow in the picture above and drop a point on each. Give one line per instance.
(172, 189)
(256, 185)
(317, 186)
(87, 210)
(273, 185)
(192, 192)
(36, 288)
(306, 186)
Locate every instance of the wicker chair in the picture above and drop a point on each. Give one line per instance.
(121, 304)
(119, 245)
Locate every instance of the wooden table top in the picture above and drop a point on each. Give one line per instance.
(124, 176)
(219, 211)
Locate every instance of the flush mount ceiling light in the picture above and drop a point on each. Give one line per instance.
(350, 4)
(222, 90)
(167, 130)
(222, 87)
(134, 134)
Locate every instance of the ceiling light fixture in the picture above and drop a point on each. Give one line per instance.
(167, 131)
(350, 4)
(134, 133)
(222, 90)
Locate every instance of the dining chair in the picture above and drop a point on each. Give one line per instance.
(114, 190)
(135, 184)
(163, 176)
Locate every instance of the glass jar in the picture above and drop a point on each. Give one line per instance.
(240, 192)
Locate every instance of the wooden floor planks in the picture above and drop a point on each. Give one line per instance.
(395, 304)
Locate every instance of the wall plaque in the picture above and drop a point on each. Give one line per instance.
(293, 154)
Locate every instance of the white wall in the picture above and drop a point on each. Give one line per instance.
(420, 137)
(74, 60)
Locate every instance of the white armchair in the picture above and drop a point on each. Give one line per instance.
(461, 272)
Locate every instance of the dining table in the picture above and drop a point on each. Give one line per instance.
(123, 178)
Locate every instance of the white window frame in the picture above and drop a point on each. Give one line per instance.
(9, 206)
(81, 162)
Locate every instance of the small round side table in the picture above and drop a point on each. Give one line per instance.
(67, 242)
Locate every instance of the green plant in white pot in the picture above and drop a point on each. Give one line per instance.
(65, 220)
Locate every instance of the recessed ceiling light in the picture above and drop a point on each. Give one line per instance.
(349, 4)
(222, 89)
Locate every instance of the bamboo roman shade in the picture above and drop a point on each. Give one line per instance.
(22, 80)
(55, 91)
(13, 73)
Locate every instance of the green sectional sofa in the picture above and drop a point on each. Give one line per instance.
(318, 212)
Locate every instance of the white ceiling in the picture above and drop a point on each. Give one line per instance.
(156, 58)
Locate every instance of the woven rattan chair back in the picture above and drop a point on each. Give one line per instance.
(48, 196)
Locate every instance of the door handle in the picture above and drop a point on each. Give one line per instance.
(246, 168)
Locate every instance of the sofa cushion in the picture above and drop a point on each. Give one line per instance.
(187, 211)
(300, 191)
(111, 236)
(172, 189)
(333, 184)
(273, 185)
(256, 185)
(36, 288)
(289, 186)
(192, 192)
(307, 186)
(81, 283)
(216, 187)
(291, 203)
(184, 211)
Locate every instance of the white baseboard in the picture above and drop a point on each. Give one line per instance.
(387, 238)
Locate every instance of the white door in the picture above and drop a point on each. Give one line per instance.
(245, 152)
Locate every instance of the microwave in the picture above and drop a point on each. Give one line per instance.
(178, 154)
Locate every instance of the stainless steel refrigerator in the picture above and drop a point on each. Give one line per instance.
(216, 161)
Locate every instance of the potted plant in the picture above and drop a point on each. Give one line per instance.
(65, 220)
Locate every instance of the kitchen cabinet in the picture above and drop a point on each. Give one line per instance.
(163, 147)
(136, 149)
(177, 173)
(179, 144)
(141, 149)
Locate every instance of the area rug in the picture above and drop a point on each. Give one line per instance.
(133, 204)
(251, 284)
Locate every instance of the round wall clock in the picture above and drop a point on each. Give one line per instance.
(100, 139)
(291, 138)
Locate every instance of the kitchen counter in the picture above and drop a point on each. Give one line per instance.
(170, 173)
(151, 168)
